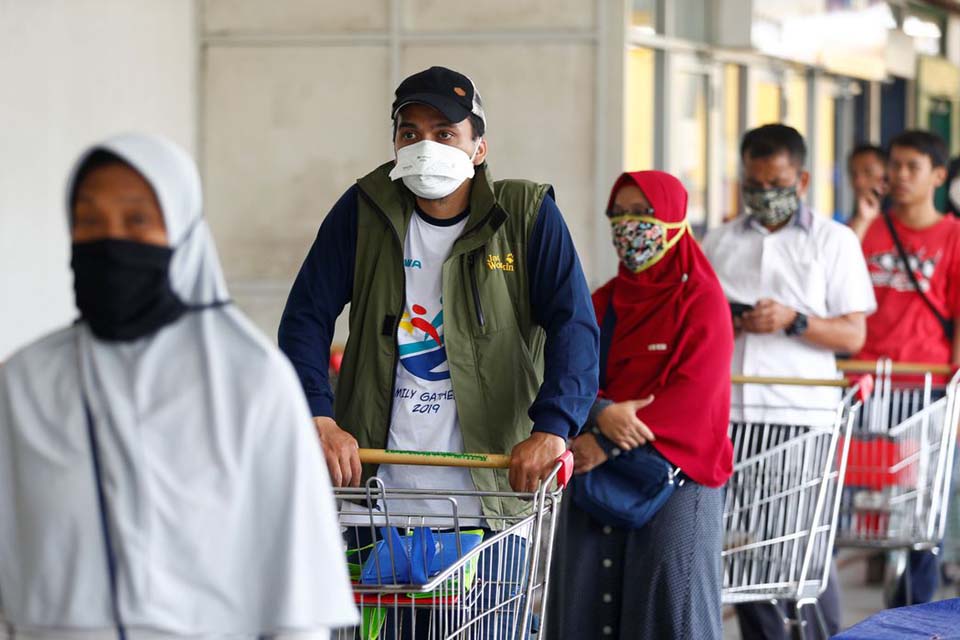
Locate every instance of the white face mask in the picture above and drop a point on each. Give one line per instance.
(432, 170)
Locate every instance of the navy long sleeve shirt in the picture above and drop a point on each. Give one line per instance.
(559, 298)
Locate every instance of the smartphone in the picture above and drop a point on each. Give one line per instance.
(883, 199)
(738, 309)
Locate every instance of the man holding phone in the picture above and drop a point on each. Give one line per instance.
(797, 283)
(799, 293)
(867, 168)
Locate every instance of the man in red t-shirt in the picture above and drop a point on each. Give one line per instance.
(904, 326)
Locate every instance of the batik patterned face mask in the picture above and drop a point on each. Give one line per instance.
(641, 241)
(771, 207)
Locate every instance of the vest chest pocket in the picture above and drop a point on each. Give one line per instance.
(486, 293)
(474, 286)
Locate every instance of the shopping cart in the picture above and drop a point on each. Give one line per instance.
(782, 502)
(900, 465)
(422, 567)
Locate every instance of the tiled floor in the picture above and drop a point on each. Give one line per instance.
(859, 600)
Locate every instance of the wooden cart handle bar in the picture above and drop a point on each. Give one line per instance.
(436, 458)
(796, 382)
(870, 366)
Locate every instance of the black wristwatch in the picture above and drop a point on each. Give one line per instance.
(799, 325)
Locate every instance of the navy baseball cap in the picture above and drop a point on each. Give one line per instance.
(452, 94)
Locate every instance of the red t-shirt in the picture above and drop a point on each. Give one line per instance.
(904, 328)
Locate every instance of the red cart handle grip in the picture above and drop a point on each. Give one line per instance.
(566, 469)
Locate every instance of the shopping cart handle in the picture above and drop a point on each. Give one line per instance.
(435, 458)
(468, 460)
(864, 387)
(566, 469)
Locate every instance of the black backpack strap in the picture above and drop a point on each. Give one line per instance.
(945, 323)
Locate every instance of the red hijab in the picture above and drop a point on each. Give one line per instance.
(673, 338)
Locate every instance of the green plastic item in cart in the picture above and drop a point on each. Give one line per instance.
(354, 568)
(372, 622)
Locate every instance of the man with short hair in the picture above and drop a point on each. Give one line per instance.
(917, 305)
(471, 324)
(799, 292)
(909, 325)
(867, 170)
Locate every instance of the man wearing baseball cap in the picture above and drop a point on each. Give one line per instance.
(471, 325)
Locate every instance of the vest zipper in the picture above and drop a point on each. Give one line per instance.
(475, 287)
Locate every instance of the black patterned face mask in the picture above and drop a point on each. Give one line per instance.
(771, 207)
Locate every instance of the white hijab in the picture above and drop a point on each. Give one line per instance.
(218, 505)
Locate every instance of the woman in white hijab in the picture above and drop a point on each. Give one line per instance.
(159, 472)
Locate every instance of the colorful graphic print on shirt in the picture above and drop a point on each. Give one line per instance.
(422, 352)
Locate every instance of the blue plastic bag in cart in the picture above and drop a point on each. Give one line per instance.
(940, 620)
(415, 557)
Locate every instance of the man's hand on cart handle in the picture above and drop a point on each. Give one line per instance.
(533, 459)
(341, 452)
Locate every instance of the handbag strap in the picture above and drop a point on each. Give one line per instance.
(945, 324)
(104, 523)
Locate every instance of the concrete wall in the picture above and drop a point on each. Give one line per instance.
(296, 101)
(75, 71)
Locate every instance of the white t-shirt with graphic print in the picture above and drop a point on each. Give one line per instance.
(424, 416)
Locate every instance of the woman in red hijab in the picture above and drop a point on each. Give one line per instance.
(665, 349)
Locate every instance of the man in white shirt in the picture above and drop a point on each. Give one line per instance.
(799, 291)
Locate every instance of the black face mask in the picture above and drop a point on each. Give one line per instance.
(123, 288)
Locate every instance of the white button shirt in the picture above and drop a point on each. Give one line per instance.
(814, 266)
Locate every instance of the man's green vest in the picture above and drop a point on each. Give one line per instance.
(494, 346)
